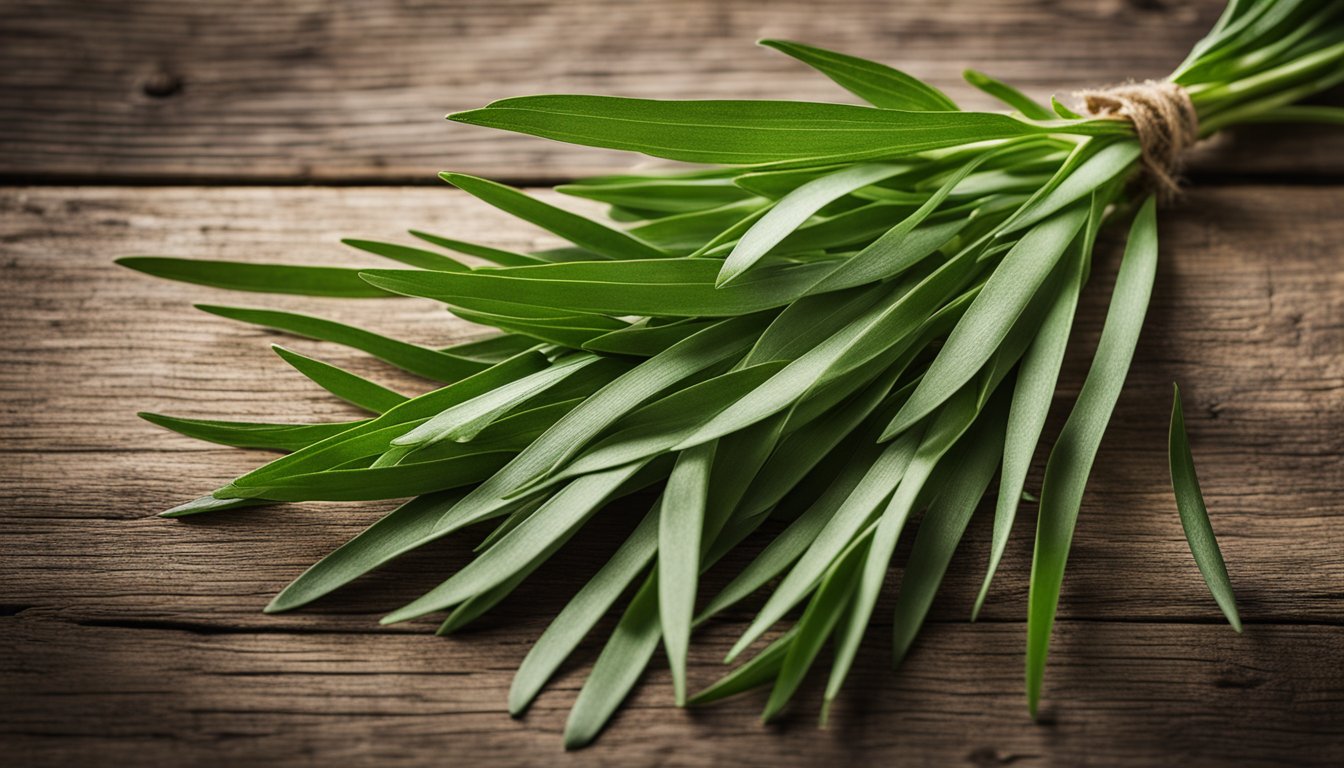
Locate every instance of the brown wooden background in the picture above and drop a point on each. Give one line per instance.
(266, 130)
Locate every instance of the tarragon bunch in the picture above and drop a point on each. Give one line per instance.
(853, 315)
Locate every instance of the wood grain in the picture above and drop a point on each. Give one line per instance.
(138, 639)
(336, 90)
(1120, 694)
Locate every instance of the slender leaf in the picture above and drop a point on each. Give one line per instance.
(1071, 459)
(1195, 516)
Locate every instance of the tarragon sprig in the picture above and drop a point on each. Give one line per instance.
(854, 314)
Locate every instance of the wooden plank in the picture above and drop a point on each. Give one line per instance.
(314, 90)
(77, 694)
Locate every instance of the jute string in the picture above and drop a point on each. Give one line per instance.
(1164, 119)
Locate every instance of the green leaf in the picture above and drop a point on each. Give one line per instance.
(1195, 517)
(349, 387)
(464, 421)
(970, 465)
(585, 233)
(946, 428)
(990, 317)
(430, 363)
(645, 340)
(536, 536)
(582, 613)
(818, 621)
(1008, 95)
(260, 278)
(704, 350)
(246, 434)
(795, 208)
(754, 132)
(1071, 459)
(762, 668)
(660, 194)
(1107, 163)
(1032, 396)
(662, 287)
(681, 520)
(618, 668)
(371, 438)
(857, 508)
(494, 255)
(875, 83)
(400, 531)
(415, 257)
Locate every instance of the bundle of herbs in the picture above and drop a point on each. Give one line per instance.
(847, 315)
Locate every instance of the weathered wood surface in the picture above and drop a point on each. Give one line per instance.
(135, 639)
(323, 90)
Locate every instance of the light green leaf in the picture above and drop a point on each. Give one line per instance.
(583, 232)
(1071, 459)
(430, 363)
(875, 83)
(349, 387)
(618, 668)
(795, 208)
(582, 613)
(260, 278)
(245, 434)
(1008, 95)
(990, 317)
(681, 520)
(970, 466)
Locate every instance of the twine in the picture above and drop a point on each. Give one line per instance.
(1164, 119)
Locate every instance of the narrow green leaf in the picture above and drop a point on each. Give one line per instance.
(400, 531)
(819, 619)
(645, 340)
(349, 387)
(1008, 95)
(662, 287)
(943, 432)
(618, 668)
(421, 361)
(710, 347)
(795, 208)
(494, 255)
(878, 84)
(583, 232)
(1071, 459)
(990, 317)
(1032, 395)
(839, 530)
(563, 512)
(1109, 162)
(246, 434)
(753, 132)
(1195, 516)
(970, 466)
(210, 504)
(260, 278)
(464, 421)
(681, 520)
(762, 668)
(582, 613)
(415, 257)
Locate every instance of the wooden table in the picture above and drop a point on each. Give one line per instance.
(265, 130)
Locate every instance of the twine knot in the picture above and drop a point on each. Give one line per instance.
(1164, 119)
